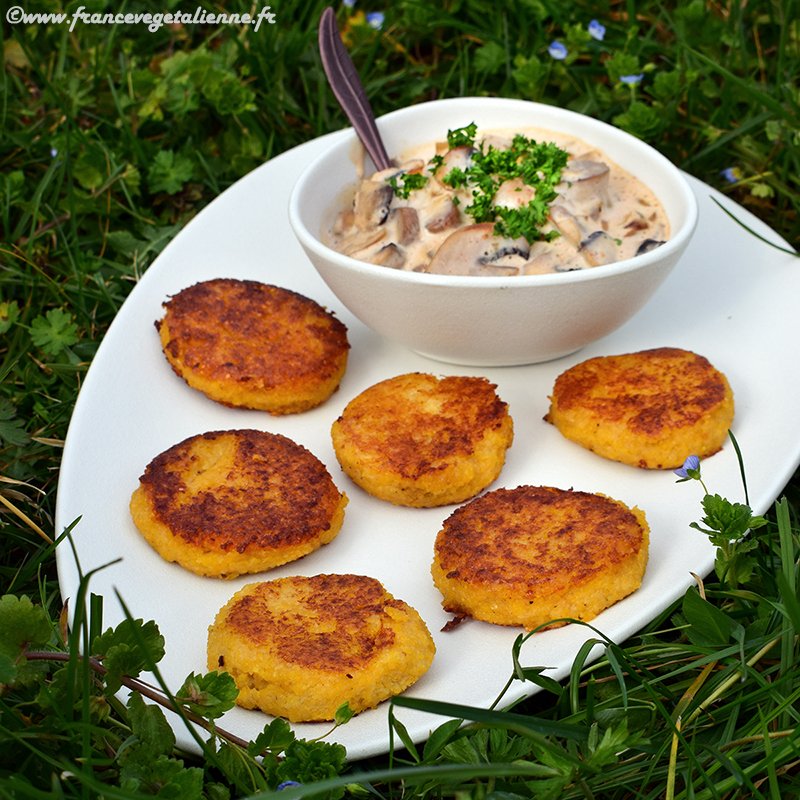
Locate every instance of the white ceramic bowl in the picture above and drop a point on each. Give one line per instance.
(490, 321)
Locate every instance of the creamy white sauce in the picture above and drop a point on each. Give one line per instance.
(601, 214)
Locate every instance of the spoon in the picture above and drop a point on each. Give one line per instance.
(348, 89)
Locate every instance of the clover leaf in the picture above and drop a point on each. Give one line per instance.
(54, 332)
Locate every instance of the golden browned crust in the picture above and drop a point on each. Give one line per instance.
(650, 409)
(225, 503)
(301, 647)
(533, 554)
(252, 345)
(420, 440)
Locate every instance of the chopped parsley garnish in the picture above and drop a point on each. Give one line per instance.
(536, 164)
(435, 162)
(456, 178)
(461, 137)
(407, 183)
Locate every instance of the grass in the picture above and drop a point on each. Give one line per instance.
(113, 137)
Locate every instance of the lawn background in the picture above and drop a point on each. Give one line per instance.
(114, 136)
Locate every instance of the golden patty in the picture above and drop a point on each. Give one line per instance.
(534, 554)
(418, 440)
(650, 409)
(251, 345)
(227, 503)
(301, 647)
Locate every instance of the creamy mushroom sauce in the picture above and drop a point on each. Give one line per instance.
(601, 214)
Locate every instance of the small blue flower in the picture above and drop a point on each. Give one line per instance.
(731, 174)
(286, 784)
(557, 50)
(375, 19)
(631, 80)
(596, 30)
(690, 468)
(53, 152)
(348, 3)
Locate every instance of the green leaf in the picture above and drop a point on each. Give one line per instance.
(145, 760)
(169, 172)
(307, 762)
(729, 520)
(622, 64)
(462, 751)
(791, 604)
(709, 625)
(576, 37)
(54, 332)
(91, 167)
(535, 675)
(242, 772)
(641, 120)
(489, 58)
(127, 650)
(226, 92)
(667, 85)
(23, 625)
(635, 717)
(9, 314)
(761, 189)
(12, 430)
(343, 714)
(402, 733)
(735, 569)
(209, 695)
(12, 185)
(529, 74)
(152, 734)
(275, 738)
(439, 737)
(164, 777)
(615, 739)
(124, 242)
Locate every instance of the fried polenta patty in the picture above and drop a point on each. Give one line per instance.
(251, 345)
(301, 647)
(226, 503)
(534, 554)
(418, 440)
(650, 409)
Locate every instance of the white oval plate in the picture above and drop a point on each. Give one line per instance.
(732, 298)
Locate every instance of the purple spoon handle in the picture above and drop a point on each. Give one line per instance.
(348, 89)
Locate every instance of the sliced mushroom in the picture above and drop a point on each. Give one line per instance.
(371, 204)
(647, 245)
(567, 224)
(442, 214)
(547, 257)
(541, 264)
(495, 141)
(514, 193)
(637, 224)
(475, 250)
(457, 158)
(584, 186)
(362, 243)
(415, 165)
(403, 225)
(389, 255)
(343, 222)
(598, 248)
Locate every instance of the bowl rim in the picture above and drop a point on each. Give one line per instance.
(673, 246)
